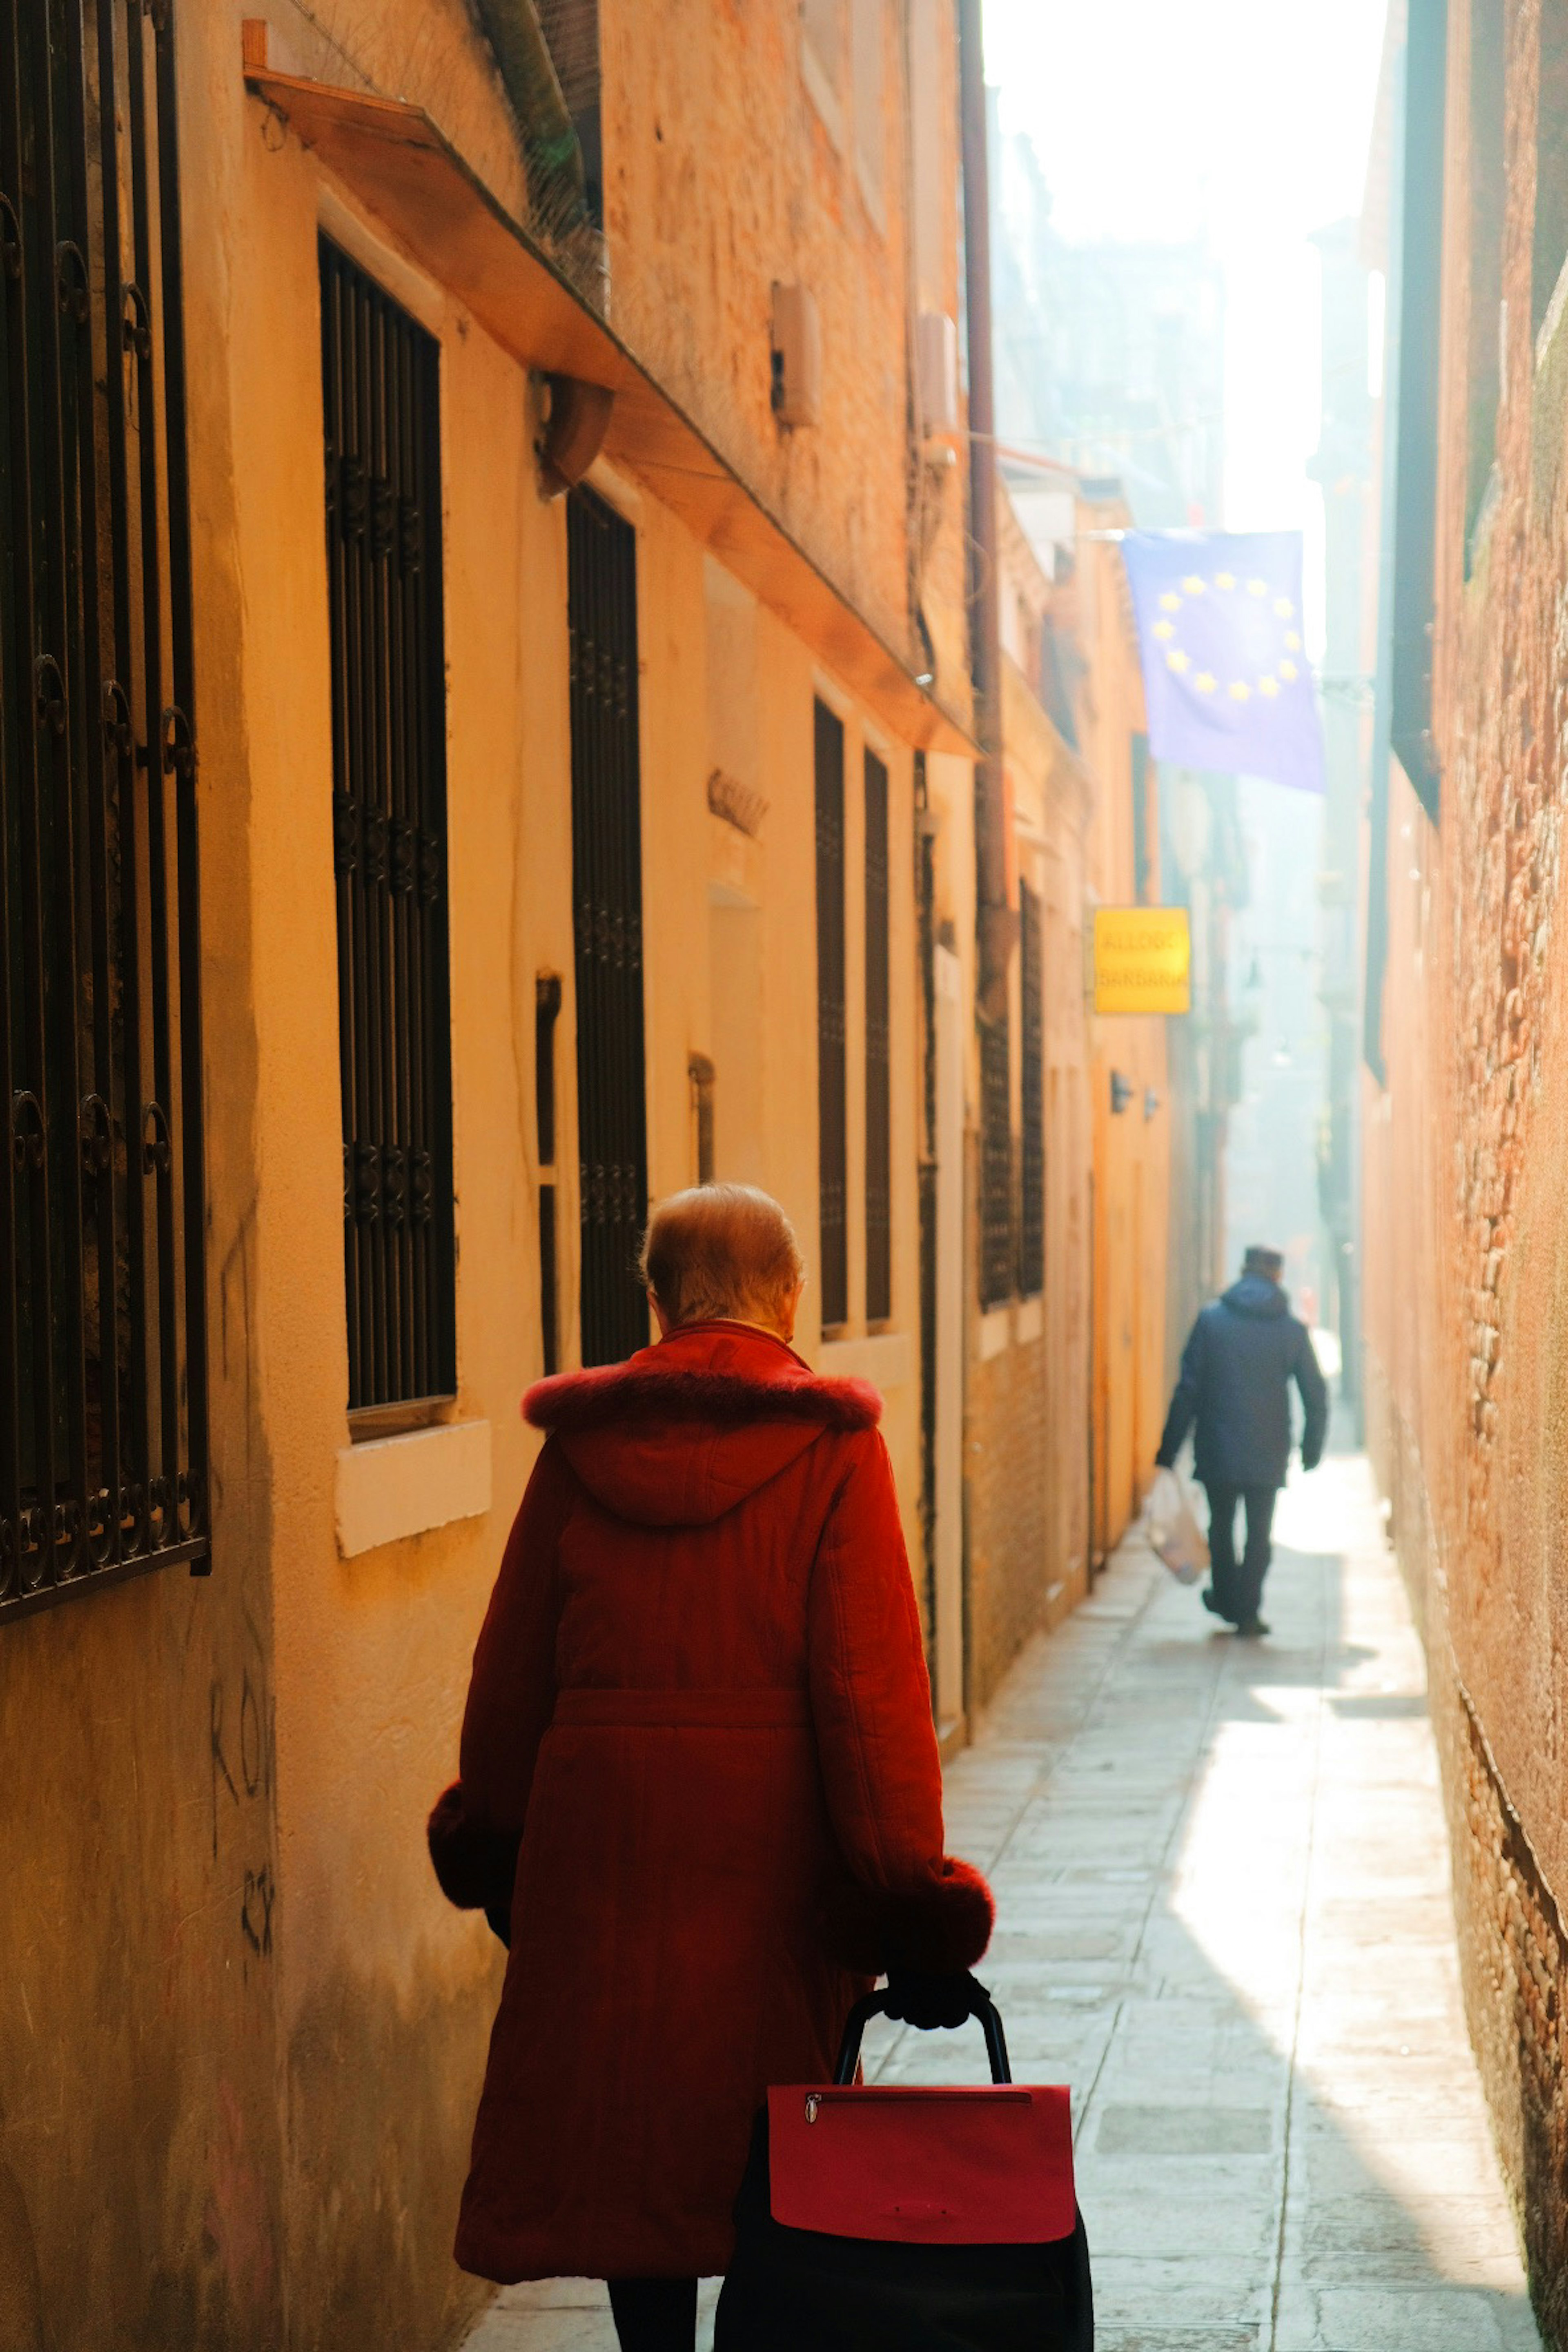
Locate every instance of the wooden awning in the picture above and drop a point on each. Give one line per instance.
(393, 158)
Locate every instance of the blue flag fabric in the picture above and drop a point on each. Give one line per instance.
(1226, 682)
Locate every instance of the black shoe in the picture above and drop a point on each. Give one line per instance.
(1207, 1597)
(1252, 1629)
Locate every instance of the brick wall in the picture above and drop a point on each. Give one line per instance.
(1467, 1154)
(728, 165)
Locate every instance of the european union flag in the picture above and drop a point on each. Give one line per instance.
(1226, 682)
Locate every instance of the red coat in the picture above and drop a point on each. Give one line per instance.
(698, 1766)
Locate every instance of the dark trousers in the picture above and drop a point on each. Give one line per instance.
(1238, 1585)
(655, 2315)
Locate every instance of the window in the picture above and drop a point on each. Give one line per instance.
(997, 1269)
(380, 374)
(1550, 244)
(1032, 1098)
(606, 889)
(832, 1110)
(879, 1088)
(103, 1320)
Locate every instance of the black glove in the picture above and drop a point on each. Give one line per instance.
(928, 1998)
(501, 1923)
(1310, 1460)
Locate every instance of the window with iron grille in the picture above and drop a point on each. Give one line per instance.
(878, 1098)
(380, 374)
(997, 1264)
(606, 883)
(833, 1122)
(1032, 1100)
(103, 1391)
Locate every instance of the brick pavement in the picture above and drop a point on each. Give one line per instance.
(1223, 1890)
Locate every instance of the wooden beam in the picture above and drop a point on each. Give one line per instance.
(393, 158)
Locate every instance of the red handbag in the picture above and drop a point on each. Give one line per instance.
(904, 2215)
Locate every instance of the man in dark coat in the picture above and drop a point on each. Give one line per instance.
(1243, 1351)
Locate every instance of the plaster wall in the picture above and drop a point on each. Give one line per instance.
(1131, 1148)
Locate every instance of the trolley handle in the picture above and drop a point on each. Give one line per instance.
(875, 2004)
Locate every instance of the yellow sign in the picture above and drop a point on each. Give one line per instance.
(1142, 960)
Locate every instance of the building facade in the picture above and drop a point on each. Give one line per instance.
(1463, 1108)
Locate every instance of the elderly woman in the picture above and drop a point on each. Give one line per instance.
(700, 1793)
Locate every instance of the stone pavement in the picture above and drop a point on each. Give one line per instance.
(1223, 1917)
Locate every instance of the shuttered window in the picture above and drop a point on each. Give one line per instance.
(380, 375)
(103, 1387)
(878, 1098)
(997, 1259)
(1032, 1100)
(831, 1008)
(606, 885)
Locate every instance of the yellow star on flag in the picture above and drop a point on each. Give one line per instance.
(1285, 608)
(1257, 587)
(1225, 580)
(1192, 585)
(1178, 661)
(1269, 685)
(1292, 642)
(1164, 629)
(1205, 681)
(1240, 691)
(1170, 602)
(1288, 671)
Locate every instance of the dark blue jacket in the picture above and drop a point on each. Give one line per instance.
(1236, 1368)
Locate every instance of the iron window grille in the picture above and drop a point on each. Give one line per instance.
(103, 1380)
(1032, 1100)
(879, 1092)
(380, 374)
(606, 883)
(997, 1259)
(831, 1061)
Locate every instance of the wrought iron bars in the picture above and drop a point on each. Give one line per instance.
(102, 1321)
(1032, 1098)
(606, 887)
(997, 1260)
(878, 1088)
(831, 1008)
(380, 375)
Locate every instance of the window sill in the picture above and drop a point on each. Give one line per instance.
(389, 1488)
(995, 1331)
(885, 1358)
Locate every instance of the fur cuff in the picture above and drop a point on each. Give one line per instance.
(475, 1866)
(943, 1926)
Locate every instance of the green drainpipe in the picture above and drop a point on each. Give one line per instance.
(554, 159)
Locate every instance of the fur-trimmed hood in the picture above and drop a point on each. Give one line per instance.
(687, 1429)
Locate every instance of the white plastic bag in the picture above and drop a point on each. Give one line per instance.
(1173, 1531)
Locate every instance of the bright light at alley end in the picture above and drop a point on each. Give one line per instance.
(1226, 682)
(1142, 960)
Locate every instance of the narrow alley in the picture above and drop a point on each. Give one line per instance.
(1222, 1880)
